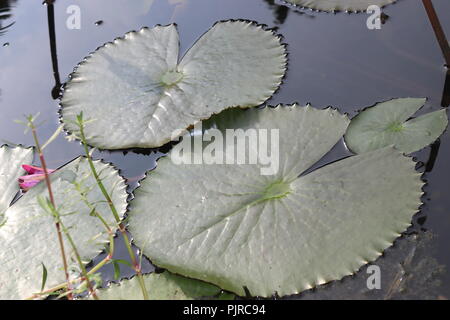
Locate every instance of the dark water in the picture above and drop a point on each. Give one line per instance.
(333, 60)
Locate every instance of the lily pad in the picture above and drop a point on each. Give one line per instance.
(28, 238)
(138, 94)
(387, 124)
(11, 161)
(340, 5)
(163, 286)
(233, 227)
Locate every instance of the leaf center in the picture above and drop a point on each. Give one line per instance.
(276, 190)
(395, 127)
(171, 77)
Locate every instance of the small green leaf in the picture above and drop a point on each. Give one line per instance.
(44, 277)
(116, 270)
(387, 124)
(53, 137)
(125, 262)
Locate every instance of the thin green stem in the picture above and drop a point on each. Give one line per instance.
(52, 201)
(136, 265)
(98, 266)
(77, 254)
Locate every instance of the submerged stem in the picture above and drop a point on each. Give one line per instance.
(439, 32)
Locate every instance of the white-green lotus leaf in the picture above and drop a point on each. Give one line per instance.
(163, 286)
(233, 227)
(29, 236)
(386, 124)
(11, 161)
(340, 5)
(138, 94)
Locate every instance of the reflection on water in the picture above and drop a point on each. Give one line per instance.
(446, 96)
(53, 50)
(281, 12)
(5, 14)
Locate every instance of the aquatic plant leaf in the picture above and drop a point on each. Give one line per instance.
(233, 227)
(138, 95)
(340, 5)
(29, 237)
(163, 286)
(11, 161)
(386, 124)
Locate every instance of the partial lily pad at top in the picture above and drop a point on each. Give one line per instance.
(11, 161)
(138, 94)
(340, 5)
(163, 286)
(387, 124)
(28, 238)
(233, 227)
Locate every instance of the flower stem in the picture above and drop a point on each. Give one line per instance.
(77, 254)
(94, 270)
(52, 201)
(136, 265)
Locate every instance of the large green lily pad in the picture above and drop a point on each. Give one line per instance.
(138, 94)
(233, 227)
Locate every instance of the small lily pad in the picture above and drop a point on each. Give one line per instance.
(138, 94)
(387, 124)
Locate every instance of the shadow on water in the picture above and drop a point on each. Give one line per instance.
(5, 14)
(281, 12)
